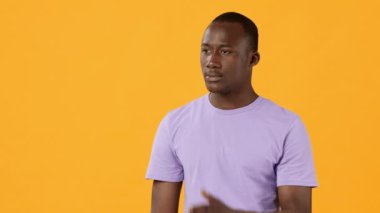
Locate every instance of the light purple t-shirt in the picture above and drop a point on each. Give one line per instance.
(239, 155)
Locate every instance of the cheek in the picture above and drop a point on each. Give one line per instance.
(231, 65)
(240, 64)
(203, 60)
(235, 70)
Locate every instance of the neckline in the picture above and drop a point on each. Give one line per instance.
(250, 106)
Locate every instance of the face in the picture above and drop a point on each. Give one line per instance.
(226, 58)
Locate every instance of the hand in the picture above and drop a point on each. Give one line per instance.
(215, 205)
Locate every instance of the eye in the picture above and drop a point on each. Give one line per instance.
(206, 51)
(226, 52)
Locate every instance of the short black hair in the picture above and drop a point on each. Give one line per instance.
(248, 25)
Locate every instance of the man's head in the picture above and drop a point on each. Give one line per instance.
(228, 53)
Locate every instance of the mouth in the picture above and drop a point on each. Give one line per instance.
(211, 75)
(213, 78)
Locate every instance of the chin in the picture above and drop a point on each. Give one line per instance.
(215, 89)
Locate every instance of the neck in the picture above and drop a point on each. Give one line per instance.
(233, 100)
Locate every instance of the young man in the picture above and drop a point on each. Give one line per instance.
(236, 151)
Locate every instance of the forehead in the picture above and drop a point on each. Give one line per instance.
(227, 33)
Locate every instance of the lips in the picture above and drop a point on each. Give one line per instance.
(213, 78)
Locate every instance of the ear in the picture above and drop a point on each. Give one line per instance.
(254, 58)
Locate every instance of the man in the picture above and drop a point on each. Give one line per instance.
(236, 151)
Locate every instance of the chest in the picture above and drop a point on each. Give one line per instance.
(246, 146)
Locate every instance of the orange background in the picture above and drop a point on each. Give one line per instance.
(84, 84)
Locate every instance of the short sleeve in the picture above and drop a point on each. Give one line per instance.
(164, 164)
(296, 165)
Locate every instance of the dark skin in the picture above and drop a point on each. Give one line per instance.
(227, 61)
(225, 51)
(292, 199)
(165, 196)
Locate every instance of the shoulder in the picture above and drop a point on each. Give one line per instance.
(183, 113)
(277, 115)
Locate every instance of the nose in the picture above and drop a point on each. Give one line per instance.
(213, 60)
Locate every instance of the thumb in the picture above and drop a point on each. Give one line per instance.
(211, 199)
(204, 193)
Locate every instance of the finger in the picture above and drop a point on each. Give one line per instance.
(204, 193)
(212, 200)
(207, 196)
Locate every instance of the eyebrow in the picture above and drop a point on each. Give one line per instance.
(221, 45)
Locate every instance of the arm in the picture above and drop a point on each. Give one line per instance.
(293, 199)
(165, 196)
